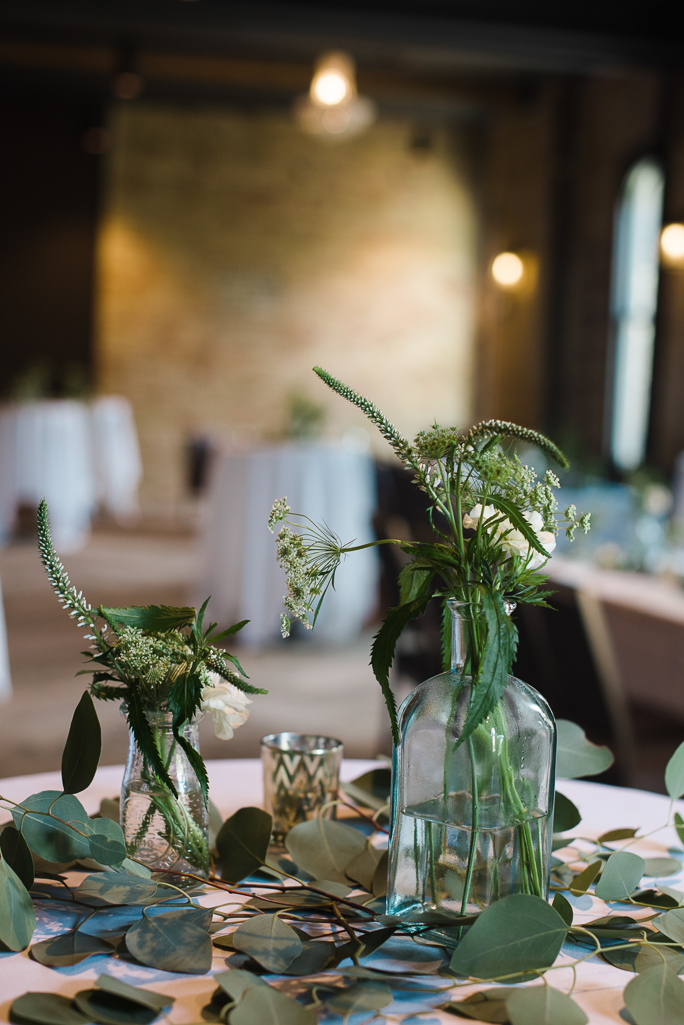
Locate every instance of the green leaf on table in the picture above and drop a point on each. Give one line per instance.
(263, 1005)
(372, 789)
(674, 774)
(82, 749)
(672, 924)
(577, 756)
(621, 876)
(656, 898)
(543, 1005)
(53, 840)
(289, 899)
(384, 645)
(109, 1009)
(655, 997)
(121, 888)
(500, 648)
(488, 1005)
(47, 1009)
(242, 843)
(237, 981)
(172, 941)
(151, 617)
(516, 934)
(564, 908)
(362, 868)
(637, 958)
(134, 868)
(69, 949)
(272, 943)
(581, 883)
(324, 848)
(17, 854)
(379, 881)
(17, 916)
(146, 997)
(679, 826)
(565, 814)
(107, 844)
(315, 956)
(334, 889)
(362, 996)
(662, 867)
(617, 834)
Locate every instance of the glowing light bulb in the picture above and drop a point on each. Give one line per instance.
(672, 244)
(330, 88)
(507, 270)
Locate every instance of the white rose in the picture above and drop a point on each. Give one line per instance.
(227, 704)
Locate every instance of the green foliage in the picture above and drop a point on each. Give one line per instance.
(655, 997)
(82, 750)
(242, 843)
(585, 878)
(69, 949)
(153, 618)
(172, 941)
(363, 996)
(621, 876)
(17, 854)
(272, 943)
(564, 908)
(17, 917)
(54, 826)
(107, 844)
(268, 1006)
(499, 652)
(119, 888)
(577, 756)
(565, 814)
(324, 848)
(674, 774)
(543, 1005)
(47, 1009)
(384, 646)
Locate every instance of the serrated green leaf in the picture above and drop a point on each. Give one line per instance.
(565, 814)
(324, 848)
(564, 908)
(621, 875)
(141, 730)
(581, 883)
(53, 840)
(171, 941)
(384, 646)
(512, 512)
(577, 756)
(69, 949)
(500, 648)
(17, 854)
(82, 749)
(155, 618)
(414, 580)
(655, 997)
(267, 1006)
(47, 1009)
(242, 843)
(17, 917)
(272, 943)
(543, 1005)
(516, 934)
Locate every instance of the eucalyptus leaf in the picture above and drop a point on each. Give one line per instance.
(69, 949)
(362, 996)
(655, 899)
(108, 1009)
(674, 774)
(672, 924)
(121, 888)
(577, 756)
(679, 826)
(134, 868)
(564, 908)
(324, 848)
(637, 958)
(565, 814)
(17, 916)
(621, 875)
(272, 943)
(82, 749)
(107, 843)
(362, 868)
(267, 1006)
(17, 854)
(581, 883)
(110, 808)
(237, 981)
(379, 881)
(617, 834)
(489, 1005)
(294, 899)
(655, 997)
(334, 889)
(315, 956)
(516, 934)
(54, 840)
(47, 1009)
(371, 790)
(171, 941)
(242, 843)
(662, 867)
(543, 1005)
(146, 997)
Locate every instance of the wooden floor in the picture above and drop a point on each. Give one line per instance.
(312, 689)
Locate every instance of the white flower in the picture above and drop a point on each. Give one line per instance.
(227, 704)
(512, 540)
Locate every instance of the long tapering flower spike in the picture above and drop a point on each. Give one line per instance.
(503, 429)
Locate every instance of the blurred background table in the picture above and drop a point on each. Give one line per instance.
(335, 485)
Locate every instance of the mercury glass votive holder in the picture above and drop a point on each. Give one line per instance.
(301, 778)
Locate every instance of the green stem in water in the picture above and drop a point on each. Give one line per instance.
(473, 832)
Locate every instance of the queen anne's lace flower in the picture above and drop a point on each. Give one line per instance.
(227, 704)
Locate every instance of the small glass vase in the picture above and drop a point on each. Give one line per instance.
(471, 822)
(165, 832)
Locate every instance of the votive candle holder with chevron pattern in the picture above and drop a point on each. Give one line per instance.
(301, 778)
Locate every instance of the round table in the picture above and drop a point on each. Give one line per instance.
(238, 782)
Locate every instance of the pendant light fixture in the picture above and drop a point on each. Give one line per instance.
(332, 109)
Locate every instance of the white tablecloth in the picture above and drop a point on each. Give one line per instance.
(73, 454)
(327, 482)
(237, 783)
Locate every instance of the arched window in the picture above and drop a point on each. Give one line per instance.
(633, 309)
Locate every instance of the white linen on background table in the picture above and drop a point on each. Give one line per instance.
(329, 483)
(237, 783)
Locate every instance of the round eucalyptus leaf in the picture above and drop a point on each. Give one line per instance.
(565, 814)
(51, 836)
(563, 906)
(109, 1009)
(121, 888)
(145, 997)
(543, 1005)
(17, 854)
(237, 981)
(69, 949)
(107, 844)
(488, 1005)
(362, 868)
(47, 1009)
(272, 943)
(263, 1005)
(517, 934)
(621, 875)
(671, 924)
(324, 848)
(362, 996)
(171, 941)
(315, 956)
(577, 756)
(674, 774)
(332, 888)
(17, 916)
(655, 997)
(657, 867)
(242, 843)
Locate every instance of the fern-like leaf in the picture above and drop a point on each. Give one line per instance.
(384, 646)
(500, 648)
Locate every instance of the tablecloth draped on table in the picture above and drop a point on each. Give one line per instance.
(72, 454)
(5, 679)
(329, 483)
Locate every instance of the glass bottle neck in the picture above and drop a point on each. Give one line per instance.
(458, 631)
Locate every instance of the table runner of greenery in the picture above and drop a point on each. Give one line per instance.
(314, 913)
